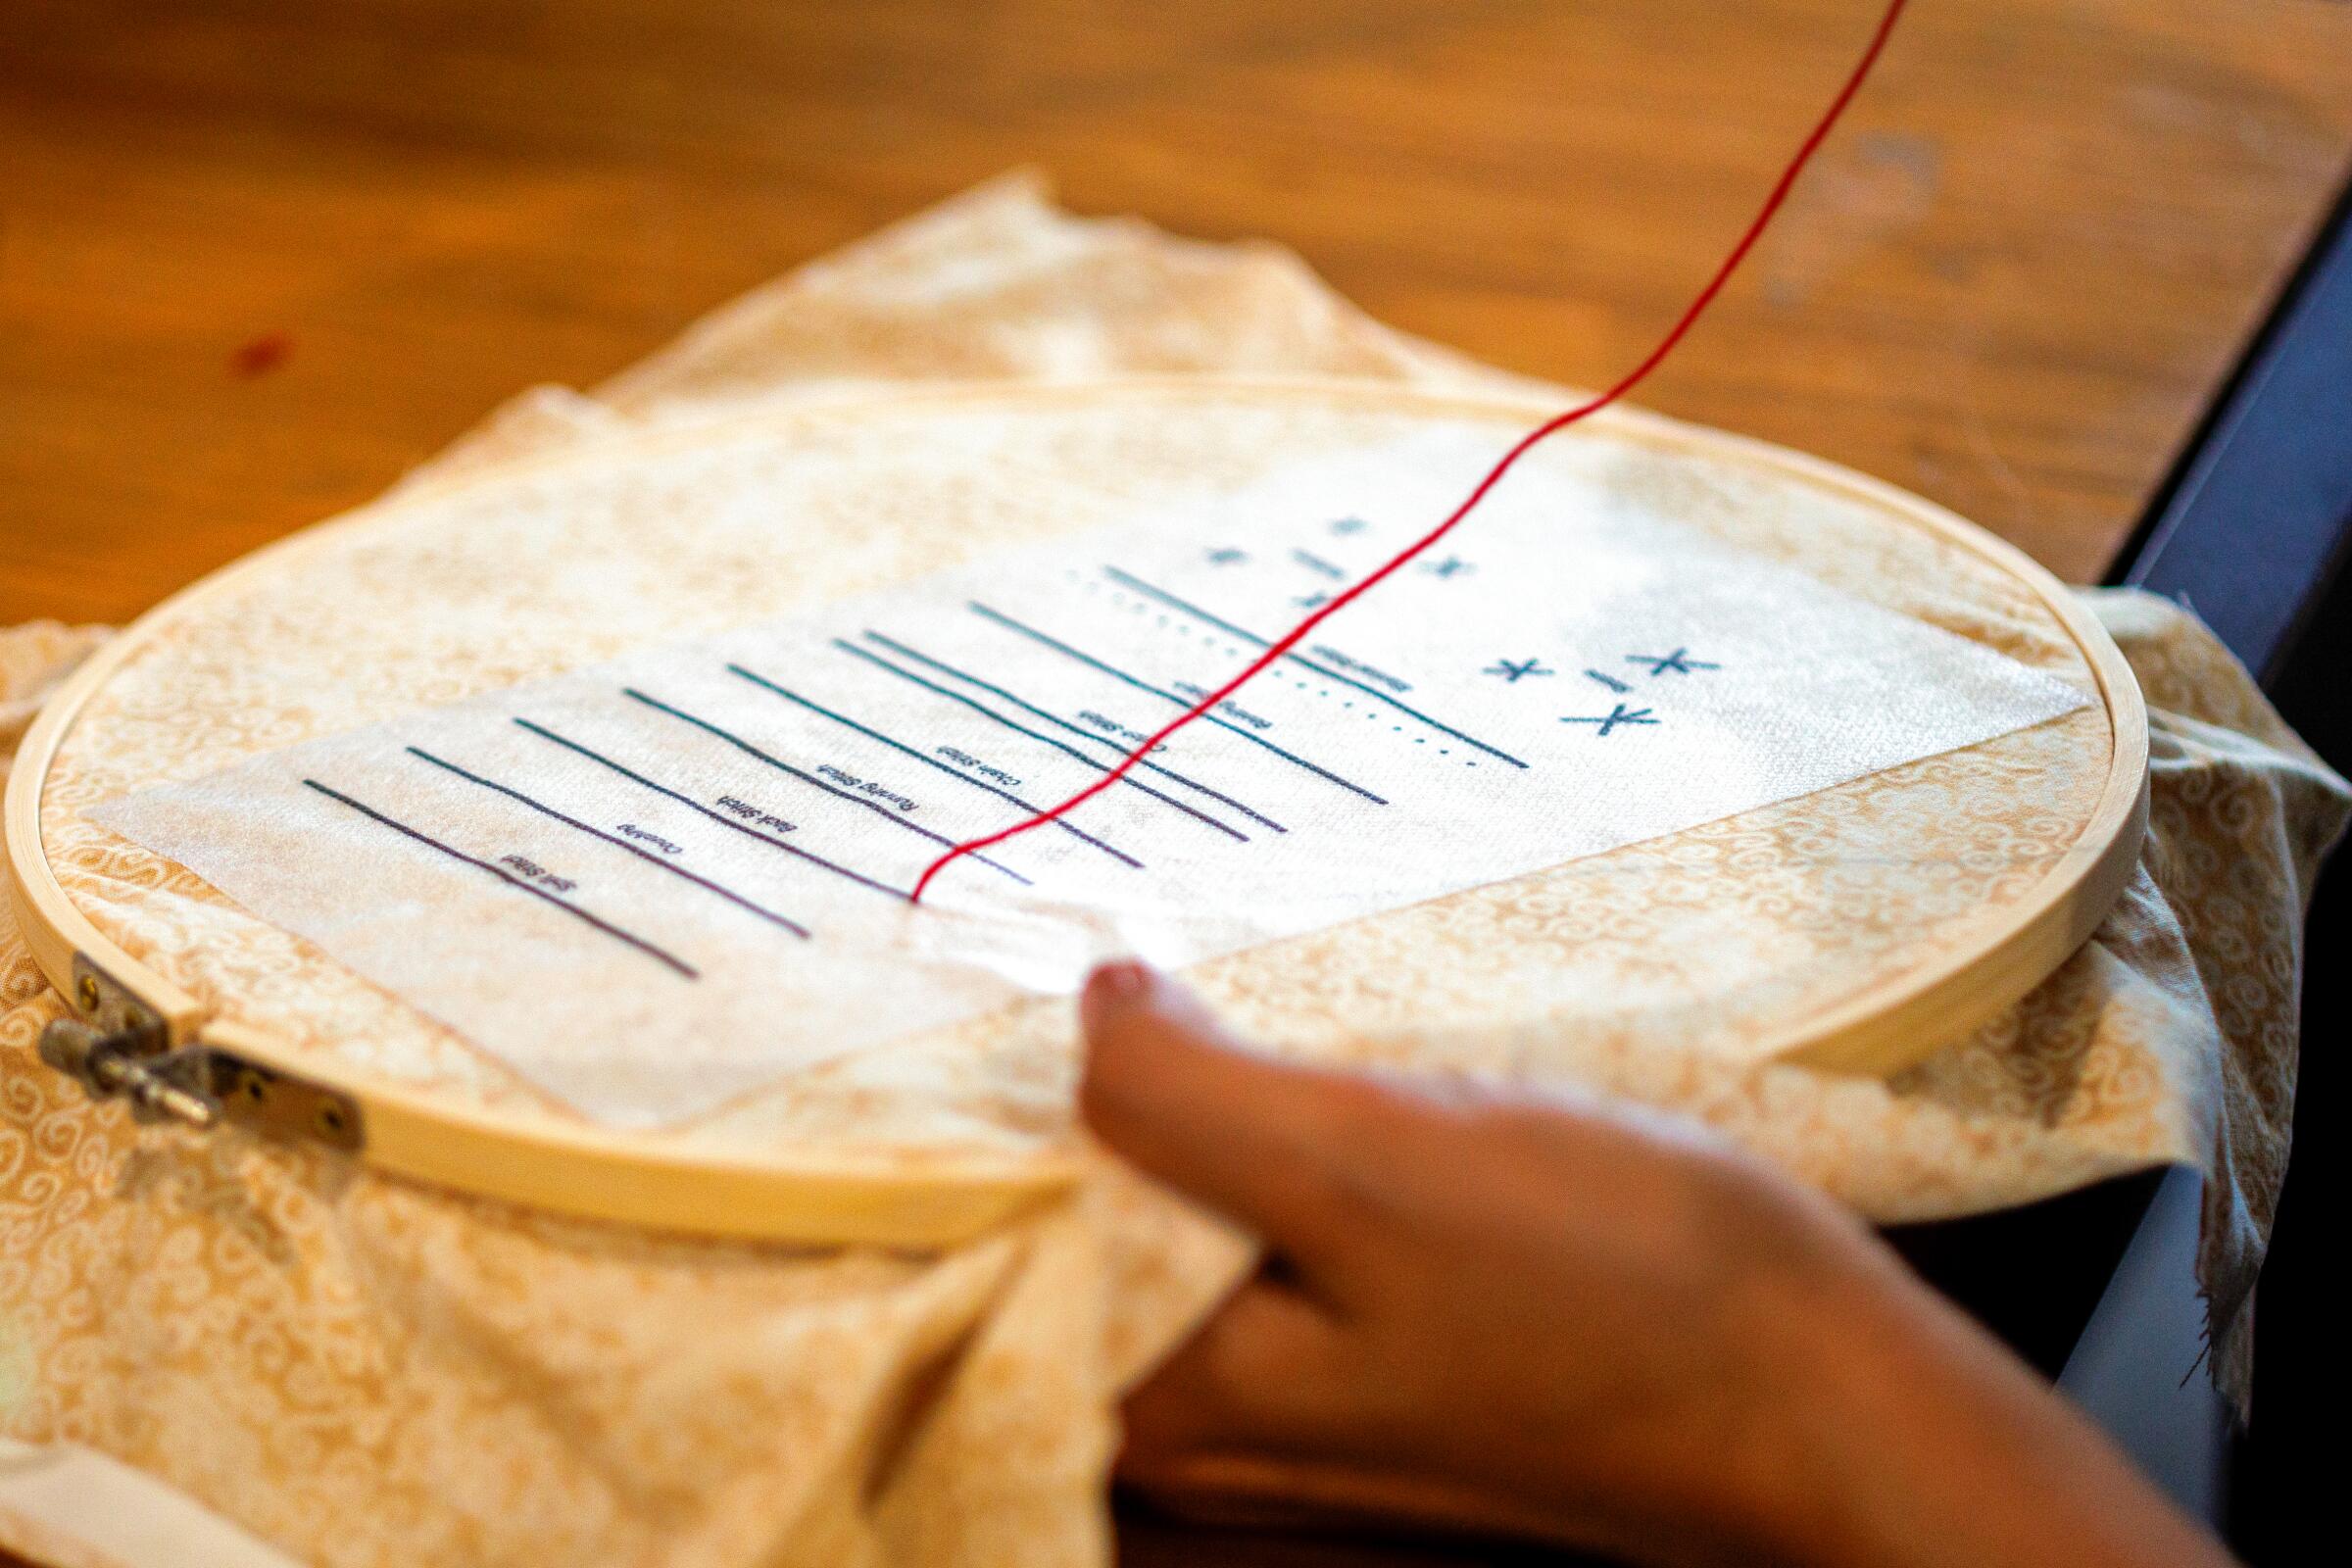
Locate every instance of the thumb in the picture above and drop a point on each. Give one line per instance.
(1262, 1142)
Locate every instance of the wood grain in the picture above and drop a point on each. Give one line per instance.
(2010, 284)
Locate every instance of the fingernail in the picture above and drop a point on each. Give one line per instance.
(1114, 985)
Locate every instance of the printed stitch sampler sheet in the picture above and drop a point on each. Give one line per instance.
(361, 1372)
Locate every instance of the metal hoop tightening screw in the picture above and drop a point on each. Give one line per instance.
(105, 1066)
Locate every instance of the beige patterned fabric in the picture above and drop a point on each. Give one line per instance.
(364, 1372)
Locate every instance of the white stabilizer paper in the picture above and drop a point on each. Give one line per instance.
(605, 879)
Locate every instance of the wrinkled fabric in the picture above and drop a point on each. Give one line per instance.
(363, 1371)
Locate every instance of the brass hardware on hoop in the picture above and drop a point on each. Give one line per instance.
(270, 1101)
(119, 1046)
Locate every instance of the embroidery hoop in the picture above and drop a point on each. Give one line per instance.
(661, 1181)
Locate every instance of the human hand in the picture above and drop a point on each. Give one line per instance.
(1595, 1326)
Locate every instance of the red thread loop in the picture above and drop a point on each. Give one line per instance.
(1625, 384)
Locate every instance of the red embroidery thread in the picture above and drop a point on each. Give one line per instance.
(1625, 383)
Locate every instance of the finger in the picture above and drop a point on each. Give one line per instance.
(1265, 1143)
(1266, 1370)
(1269, 1492)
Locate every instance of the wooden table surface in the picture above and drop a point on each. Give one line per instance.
(256, 259)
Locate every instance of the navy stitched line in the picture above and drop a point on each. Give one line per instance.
(1065, 750)
(928, 761)
(1034, 635)
(946, 669)
(720, 819)
(618, 842)
(565, 905)
(1128, 581)
(894, 818)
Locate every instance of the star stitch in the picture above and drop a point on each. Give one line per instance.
(1677, 663)
(1620, 714)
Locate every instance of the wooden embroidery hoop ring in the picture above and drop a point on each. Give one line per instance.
(646, 1180)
